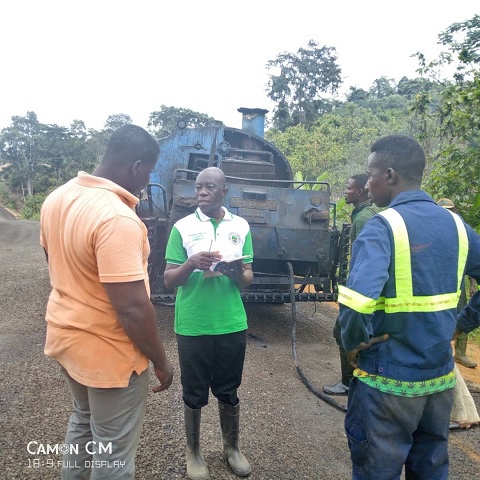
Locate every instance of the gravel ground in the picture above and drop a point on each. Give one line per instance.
(287, 432)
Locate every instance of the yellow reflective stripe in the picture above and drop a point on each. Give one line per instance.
(401, 249)
(356, 301)
(462, 246)
(432, 303)
(405, 301)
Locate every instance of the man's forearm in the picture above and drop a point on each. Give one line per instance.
(246, 277)
(469, 318)
(175, 277)
(353, 328)
(141, 327)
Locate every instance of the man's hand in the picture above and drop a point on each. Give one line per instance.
(164, 375)
(177, 275)
(473, 287)
(353, 354)
(203, 260)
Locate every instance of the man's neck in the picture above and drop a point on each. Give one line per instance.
(360, 202)
(217, 215)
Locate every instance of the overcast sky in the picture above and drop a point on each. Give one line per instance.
(86, 60)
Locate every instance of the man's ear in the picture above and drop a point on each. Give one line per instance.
(391, 176)
(135, 167)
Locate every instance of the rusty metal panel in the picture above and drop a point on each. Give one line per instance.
(254, 215)
(252, 203)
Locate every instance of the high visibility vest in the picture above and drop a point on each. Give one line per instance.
(405, 300)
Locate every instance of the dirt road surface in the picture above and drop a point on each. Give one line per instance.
(287, 432)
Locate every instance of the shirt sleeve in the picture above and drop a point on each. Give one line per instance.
(175, 252)
(121, 250)
(357, 225)
(248, 248)
(473, 260)
(469, 318)
(371, 254)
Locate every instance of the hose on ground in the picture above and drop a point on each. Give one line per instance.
(326, 398)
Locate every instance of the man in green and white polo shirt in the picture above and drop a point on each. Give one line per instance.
(210, 320)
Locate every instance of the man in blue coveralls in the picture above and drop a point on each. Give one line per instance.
(397, 327)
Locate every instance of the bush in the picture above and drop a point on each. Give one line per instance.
(32, 205)
(474, 336)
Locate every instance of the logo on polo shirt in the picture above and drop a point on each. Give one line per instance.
(234, 238)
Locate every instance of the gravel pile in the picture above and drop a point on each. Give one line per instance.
(287, 432)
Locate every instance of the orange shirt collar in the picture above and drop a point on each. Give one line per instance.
(87, 180)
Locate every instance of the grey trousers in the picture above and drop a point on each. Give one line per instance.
(104, 430)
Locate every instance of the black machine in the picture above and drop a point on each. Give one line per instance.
(297, 246)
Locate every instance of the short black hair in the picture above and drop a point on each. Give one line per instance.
(129, 144)
(360, 180)
(402, 153)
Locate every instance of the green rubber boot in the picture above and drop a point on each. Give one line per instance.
(461, 351)
(230, 423)
(196, 467)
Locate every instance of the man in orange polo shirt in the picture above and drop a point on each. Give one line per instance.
(101, 325)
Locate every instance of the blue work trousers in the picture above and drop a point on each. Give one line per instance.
(386, 432)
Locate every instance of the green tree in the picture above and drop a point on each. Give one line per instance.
(409, 87)
(38, 157)
(382, 87)
(66, 151)
(382, 97)
(298, 87)
(357, 95)
(83, 155)
(463, 41)
(116, 121)
(163, 122)
(455, 169)
(337, 143)
(20, 146)
(54, 154)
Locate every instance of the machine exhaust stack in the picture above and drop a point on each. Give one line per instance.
(253, 120)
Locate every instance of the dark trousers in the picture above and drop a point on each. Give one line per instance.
(211, 361)
(387, 431)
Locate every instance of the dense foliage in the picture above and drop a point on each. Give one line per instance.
(455, 111)
(338, 142)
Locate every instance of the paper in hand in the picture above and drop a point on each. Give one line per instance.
(215, 267)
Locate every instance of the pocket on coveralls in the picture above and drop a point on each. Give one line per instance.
(357, 443)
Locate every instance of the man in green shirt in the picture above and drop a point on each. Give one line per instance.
(210, 320)
(357, 195)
